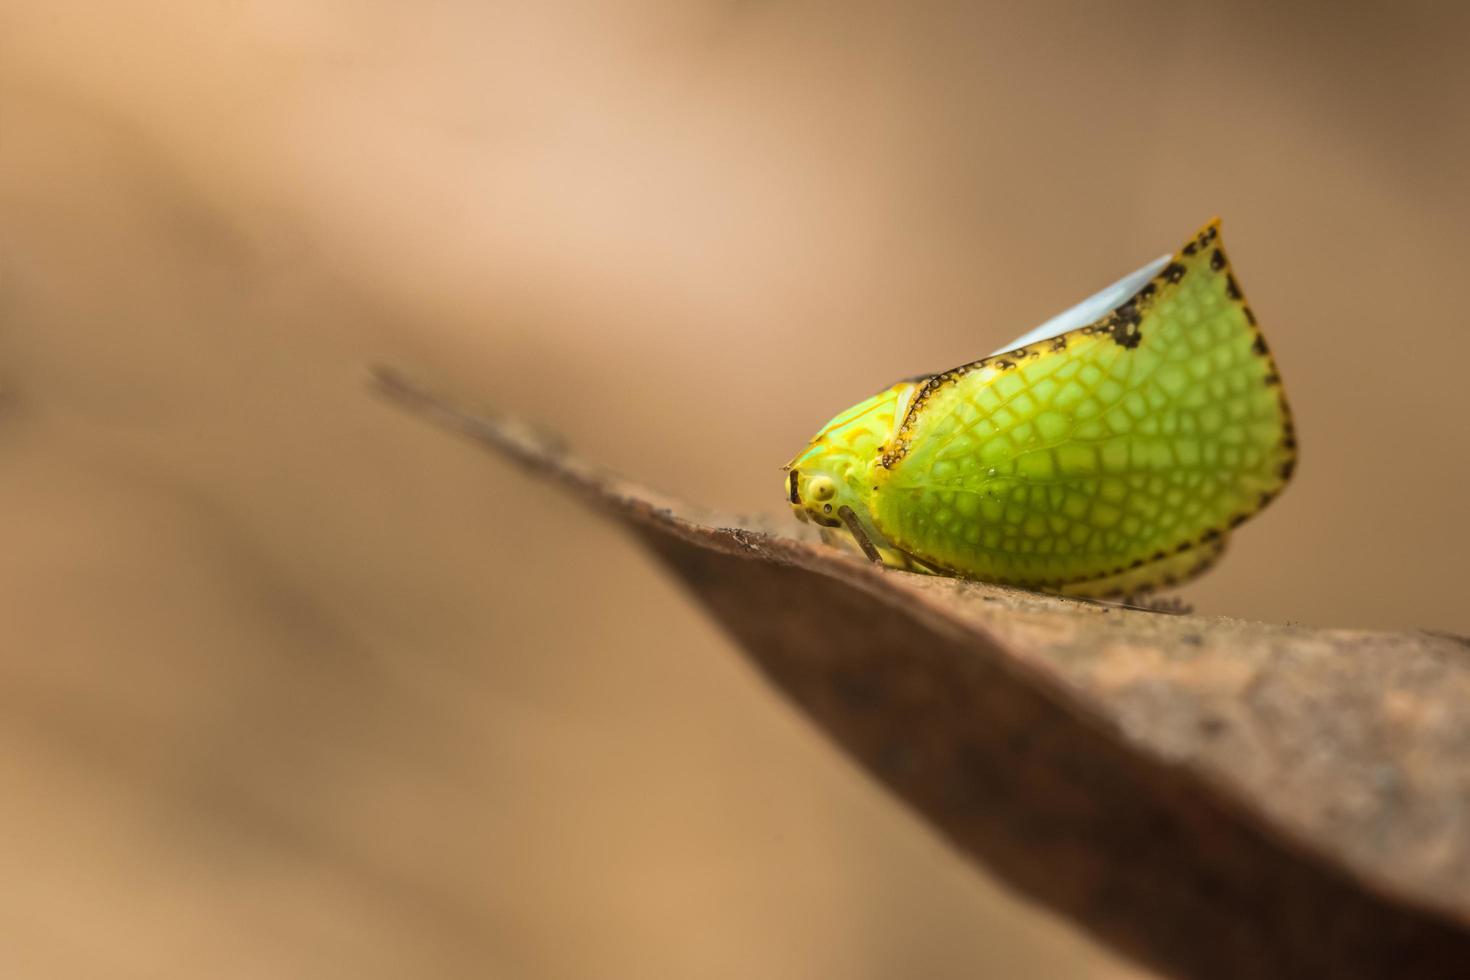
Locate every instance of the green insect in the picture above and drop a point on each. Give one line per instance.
(1109, 452)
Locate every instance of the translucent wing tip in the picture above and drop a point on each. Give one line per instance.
(1105, 300)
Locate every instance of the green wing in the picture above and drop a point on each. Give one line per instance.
(1098, 455)
(1173, 568)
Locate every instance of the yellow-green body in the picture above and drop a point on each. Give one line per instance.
(1109, 459)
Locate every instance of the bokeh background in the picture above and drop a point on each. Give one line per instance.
(294, 686)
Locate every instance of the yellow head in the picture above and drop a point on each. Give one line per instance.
(835, 473)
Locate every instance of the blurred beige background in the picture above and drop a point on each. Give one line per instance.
(293, 686)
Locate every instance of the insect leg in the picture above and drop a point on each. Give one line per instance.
(855, 526)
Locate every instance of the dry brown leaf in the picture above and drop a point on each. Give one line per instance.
(1215, 798)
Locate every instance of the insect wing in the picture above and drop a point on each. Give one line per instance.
(1093, 308)
(1103, 450)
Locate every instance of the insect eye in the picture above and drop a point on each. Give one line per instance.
(822, 488)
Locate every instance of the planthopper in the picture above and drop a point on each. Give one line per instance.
(1110, 451)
